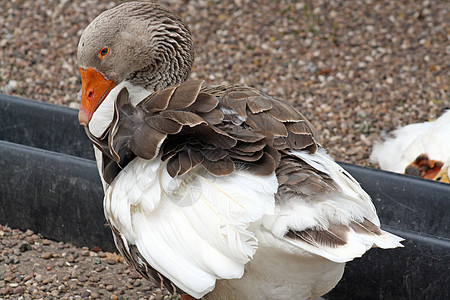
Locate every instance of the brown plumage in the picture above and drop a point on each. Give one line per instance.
(222, 129)
(261, 194)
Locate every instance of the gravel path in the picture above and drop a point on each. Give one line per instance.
(32, 267)
(356, 69)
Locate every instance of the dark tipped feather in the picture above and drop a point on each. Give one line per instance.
(163, 124)
(244, 135)
(158, 101)
(333, 237)
(241, 94)
(266, 123)
(213, 117)
(299, 141)
(221, 128)
(250, 146)
(196, 158)
(183, 117)
(185, 162)
(258, 104)
(247, 157)
(366, 227)
(185, 94)
(204, 103)
(283, 112)
(214, 154)
(238, 106)
(262, 167)
(174, 166)
(219, 168)
(146, 141)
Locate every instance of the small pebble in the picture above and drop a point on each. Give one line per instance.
(135, 275)
(19, 290)
(109, 287)
(30, 240)
(28, 276)
(47, 280)
(6, 291)
(11, 86)
(47, 255)
(62, 288)
(100, 268)
(85, 294)
(137, 283)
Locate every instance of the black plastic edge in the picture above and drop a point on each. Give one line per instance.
(57, 195)
(419, 270)
(43, 125)
(406, 202)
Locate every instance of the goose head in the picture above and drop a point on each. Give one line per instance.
(140, 43)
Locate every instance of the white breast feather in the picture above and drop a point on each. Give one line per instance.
(104, 113)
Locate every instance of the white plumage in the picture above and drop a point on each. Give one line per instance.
(198, 228)
(193, 228)
(230, 235)
(408, 142)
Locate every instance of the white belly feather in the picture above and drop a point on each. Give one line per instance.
(198, 228)
(193, 229)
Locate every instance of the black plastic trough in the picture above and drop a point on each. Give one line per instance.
(49, 183)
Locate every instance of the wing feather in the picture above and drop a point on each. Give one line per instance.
(207, 164)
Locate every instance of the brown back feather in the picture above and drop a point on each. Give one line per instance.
(222, 128)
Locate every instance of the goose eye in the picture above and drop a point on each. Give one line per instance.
(103, 52)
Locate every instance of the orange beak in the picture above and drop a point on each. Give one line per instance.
(95, 88)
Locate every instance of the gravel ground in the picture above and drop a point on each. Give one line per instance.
(32, 267)
(356, 69)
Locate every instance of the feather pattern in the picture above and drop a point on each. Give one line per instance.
(182, 120)
(216, 191)
(187, 215)
(198, 166)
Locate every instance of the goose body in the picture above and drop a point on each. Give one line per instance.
(219, 192)
(424, 146)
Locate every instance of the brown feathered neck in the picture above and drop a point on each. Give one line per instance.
(221, 128)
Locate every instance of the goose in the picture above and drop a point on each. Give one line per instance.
(214, 192)
(420, 149)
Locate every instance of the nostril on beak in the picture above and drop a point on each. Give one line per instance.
(90, 94)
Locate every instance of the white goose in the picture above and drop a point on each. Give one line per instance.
(219, 192)
(420, 149)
